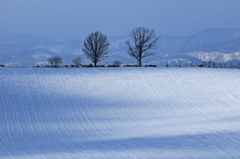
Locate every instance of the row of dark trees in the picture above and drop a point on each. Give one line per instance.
(211, 64)
(55, 61)
(96, 47)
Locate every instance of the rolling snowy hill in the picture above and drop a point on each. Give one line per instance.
(123, 113)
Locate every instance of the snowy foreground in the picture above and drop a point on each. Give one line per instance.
(113, 113)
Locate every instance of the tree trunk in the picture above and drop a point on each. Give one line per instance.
(140, 62)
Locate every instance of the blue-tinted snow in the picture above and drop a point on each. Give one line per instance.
(119, 113)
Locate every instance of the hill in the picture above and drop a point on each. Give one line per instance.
(119, 113)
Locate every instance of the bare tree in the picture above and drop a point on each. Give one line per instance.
(238, 65)
(77, 61)
(191, 64)
(176, 65)
(117, 63)
(96, 47)
(224, 65)
(204, 63)
(214, 64)
(54, 61)
(195, 65)
(209, 63)
(144, 40)
(220, 65)
(186, 64)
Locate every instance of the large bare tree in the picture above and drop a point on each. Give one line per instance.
(144, 40)
(96, 47)
(55, 61)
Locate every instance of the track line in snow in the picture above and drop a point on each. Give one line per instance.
(119, 113)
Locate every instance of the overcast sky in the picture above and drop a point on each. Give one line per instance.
(75, 19)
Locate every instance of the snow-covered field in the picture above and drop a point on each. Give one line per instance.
(127, 113)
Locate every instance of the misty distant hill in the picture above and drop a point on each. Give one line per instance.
(220, 45)
(202, 41)
(223, 47)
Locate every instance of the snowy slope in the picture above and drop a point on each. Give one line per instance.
(126, 113)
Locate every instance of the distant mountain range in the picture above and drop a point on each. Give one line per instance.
(219, 45)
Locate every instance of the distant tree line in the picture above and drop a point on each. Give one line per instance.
(210, 64)
(96, 49)
(144, 42)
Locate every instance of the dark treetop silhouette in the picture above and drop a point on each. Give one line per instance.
(96, 47)
(55, 61)
(144, 40)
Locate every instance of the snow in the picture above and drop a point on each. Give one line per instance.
(215, 56)
(53, 48)
(119, 113)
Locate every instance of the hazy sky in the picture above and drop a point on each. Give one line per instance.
(75, 19)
